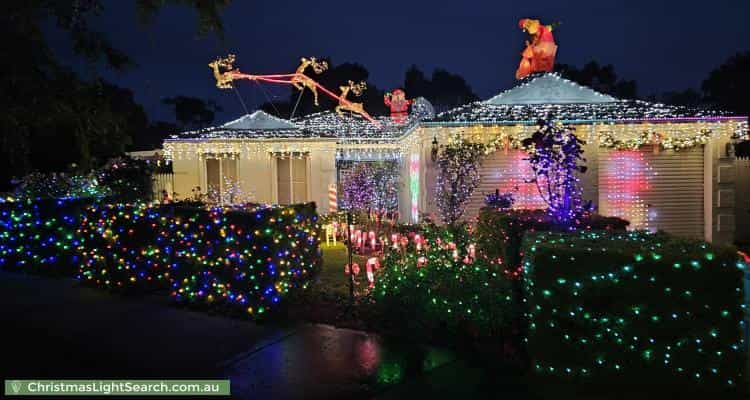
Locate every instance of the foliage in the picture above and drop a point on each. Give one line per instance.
(192, 112)
(59, 186)
(600, 78)
(242, 260)
(444, 89)
(39, 236)
(121, 179)
(499, 200)
(554, 153)
(499, 233)
(727, 86)
(128, 180)
(371, 186)
(458, 176)
(441, 289)
(51, 118)
(634, 307)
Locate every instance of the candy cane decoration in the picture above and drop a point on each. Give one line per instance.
(333, 205)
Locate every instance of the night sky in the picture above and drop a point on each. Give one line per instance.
(663, 45)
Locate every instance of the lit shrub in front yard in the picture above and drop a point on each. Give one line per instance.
(241, 259)
(627, 307)
(441, 288)
(39, 236)
(499, 233)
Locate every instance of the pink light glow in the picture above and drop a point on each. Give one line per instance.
(624, 181)
(516, 180)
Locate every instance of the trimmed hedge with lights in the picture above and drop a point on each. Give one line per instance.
(441, 290)
(499, 233)
(627, 307)
(39, 237)
(246, 259)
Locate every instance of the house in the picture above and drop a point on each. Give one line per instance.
(661, 167)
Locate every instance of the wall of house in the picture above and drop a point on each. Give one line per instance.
(718, 173)
(256, 167)
(187, 176)
(742, 201)
(720, 177)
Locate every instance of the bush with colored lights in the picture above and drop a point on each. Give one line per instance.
(440, 288)
(247, 259)
(40, 236)
(634, 307)
(499, 233)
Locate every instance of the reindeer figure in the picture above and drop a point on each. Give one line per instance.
(345, 104)
(223, 78)
(302, 81)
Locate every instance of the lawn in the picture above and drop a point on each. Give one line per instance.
(332, 277)
(327, 299)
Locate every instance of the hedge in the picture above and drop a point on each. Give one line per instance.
(621, 307)
(440, 289)
(499, 233)
(40, 236)
(246, 259)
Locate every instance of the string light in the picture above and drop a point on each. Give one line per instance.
(246, 258)
(638, 305)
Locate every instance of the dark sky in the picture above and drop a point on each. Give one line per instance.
(663, 45)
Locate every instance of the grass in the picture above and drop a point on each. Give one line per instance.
(332, 278)
(327, 299)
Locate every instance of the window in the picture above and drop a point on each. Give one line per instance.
(291, 178)
(221, 179)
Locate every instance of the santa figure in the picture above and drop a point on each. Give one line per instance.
(539, 55)
(399, 105)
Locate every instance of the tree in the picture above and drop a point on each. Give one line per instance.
(153, 136)
(51, 118)
(727, 86)
(687, 97)
(444, 90)
(554, 153)
(600, 78)
(371, 186)
(192, 112)
(458, 176)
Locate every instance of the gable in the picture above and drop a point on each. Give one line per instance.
(549, 89)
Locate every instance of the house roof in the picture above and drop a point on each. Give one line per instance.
(549, 89)
(548, 95)
(258, 125)
(539, 96)
(326, 124)
(258, 121)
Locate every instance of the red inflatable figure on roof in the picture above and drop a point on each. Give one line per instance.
(399, 105)
(539, 55)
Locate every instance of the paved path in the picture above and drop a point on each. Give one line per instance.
(55, 328)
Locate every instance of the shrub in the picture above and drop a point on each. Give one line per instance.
(39, 236)
(247, 258)
(499, 233)
(440, 288)
(627, 307)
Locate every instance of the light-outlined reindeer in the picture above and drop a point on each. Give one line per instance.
(223, 78)
(345, 104)
(301, 81)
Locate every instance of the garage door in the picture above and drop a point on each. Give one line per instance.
(654, 190)
(508, 172)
